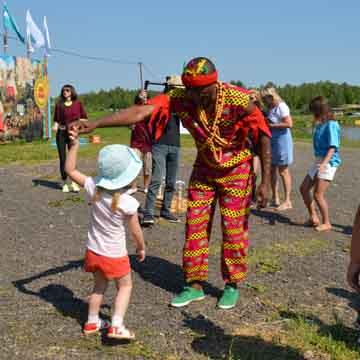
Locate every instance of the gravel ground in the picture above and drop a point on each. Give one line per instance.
(43, 290)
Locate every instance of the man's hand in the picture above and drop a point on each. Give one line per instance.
(353, 276)
(140, 255)
(83, 126)
(262, 195)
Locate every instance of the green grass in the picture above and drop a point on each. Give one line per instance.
(22, 152)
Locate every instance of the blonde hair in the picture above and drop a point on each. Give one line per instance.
(255, 97)
(271, 92)
(115, 198)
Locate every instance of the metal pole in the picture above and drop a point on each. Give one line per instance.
(141, 76)
(5, 39)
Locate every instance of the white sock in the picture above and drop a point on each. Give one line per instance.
(93, 319)
(117, 321)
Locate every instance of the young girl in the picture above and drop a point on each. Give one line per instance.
(67, 110)
(326, 142)
(106, 255)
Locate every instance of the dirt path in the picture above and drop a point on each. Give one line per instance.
(43, 290)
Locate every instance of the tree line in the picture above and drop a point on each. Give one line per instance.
(299, 96)
(296, 96)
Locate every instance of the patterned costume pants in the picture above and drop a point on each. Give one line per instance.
(233, 188)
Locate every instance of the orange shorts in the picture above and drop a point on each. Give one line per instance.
(112, 268)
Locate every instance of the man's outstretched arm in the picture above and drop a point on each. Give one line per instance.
(131, 115)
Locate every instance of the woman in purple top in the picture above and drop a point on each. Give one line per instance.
(67, 110)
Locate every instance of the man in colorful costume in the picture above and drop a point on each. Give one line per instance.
(227, 128)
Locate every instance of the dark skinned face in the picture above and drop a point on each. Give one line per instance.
(202, 96)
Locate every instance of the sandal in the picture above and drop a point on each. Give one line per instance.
(93, 328)
(121, 333)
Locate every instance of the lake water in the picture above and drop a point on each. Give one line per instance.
(351, 133)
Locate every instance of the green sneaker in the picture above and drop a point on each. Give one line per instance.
(187, 296)
(229, 298)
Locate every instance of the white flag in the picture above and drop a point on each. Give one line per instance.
(47, 36)
(35, 38)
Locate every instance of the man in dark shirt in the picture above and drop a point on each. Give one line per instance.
(165, 161)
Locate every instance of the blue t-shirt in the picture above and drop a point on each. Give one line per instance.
(327, 135)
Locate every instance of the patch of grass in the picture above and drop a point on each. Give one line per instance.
(260, 288)
(265, 260)
(296, 336)
(268, 259)
(73, 199)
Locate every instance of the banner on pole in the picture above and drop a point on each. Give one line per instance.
(24, 97)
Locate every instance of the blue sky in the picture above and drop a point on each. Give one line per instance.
(258, 41)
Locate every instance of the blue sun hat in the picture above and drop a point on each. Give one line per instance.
(117, 166)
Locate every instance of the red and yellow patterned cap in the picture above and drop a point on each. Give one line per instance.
(199, 72)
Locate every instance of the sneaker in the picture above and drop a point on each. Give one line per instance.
(170, 217)
(75, 187)
(148, 220)
(65, 188)
(187, 296)
(121, 333)
(92, 328)
(229, 298)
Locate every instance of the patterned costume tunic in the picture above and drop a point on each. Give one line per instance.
(222, 170)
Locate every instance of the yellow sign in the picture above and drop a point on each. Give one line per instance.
(41, 92)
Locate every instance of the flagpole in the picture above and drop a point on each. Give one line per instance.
(141, 75)
(5, 40)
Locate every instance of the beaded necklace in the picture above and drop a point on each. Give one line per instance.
(214, 140)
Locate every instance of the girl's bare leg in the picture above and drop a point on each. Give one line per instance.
(97, 295)
(319, 195)
(122, 299)
(305, 190)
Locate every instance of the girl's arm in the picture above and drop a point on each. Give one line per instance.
(137, 235)
(327, 158)
(70, 164)
(286, 122)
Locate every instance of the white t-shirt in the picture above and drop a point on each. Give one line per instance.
(277, 113)
(106, 235)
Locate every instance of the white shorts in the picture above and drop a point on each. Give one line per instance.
(328, 174)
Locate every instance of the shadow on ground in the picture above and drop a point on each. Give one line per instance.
(59, 296)
(352, 297)
(166, 275)
(215, 344)
(46, 183)
(337, 331)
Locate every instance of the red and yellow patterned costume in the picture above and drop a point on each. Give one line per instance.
(222, 170)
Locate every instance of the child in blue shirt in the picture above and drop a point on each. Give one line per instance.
(326, 143)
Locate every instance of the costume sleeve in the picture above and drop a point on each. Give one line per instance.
(160, 116)
(83, 114)
(128, 205)
(57, 114)
(90, 187)
(255, 122)
(333, 134)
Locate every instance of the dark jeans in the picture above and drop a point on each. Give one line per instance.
(62, 141)
(164, 158)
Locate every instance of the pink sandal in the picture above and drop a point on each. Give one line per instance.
(121, 333)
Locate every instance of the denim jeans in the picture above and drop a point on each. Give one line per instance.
(164, 158)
